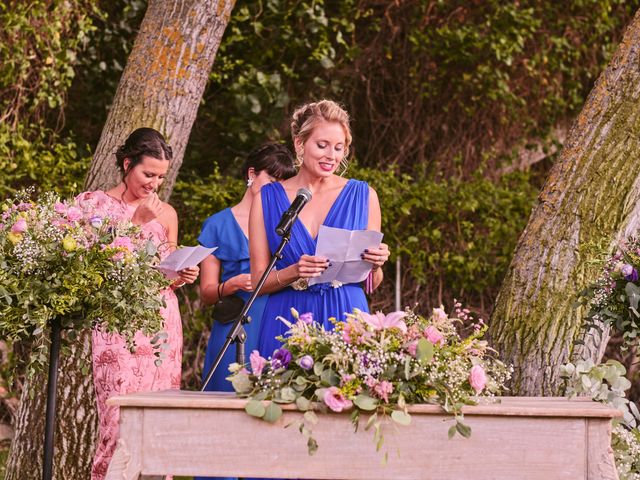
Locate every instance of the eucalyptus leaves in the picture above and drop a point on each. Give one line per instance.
(371, 364)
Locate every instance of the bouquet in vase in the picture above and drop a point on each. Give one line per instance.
(59, 259)
(372, 364)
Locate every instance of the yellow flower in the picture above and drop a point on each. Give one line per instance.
(14, 237)
(69, 244)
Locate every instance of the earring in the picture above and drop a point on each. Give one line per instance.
(249, 182)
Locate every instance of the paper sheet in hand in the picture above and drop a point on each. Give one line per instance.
(184, 258)
(343, 248)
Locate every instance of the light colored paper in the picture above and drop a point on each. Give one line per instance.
(182, 258)
(343, 248)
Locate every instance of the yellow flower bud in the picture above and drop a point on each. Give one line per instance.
(14, 237)
(69, 244)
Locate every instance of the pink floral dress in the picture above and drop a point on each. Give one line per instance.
(117, 371)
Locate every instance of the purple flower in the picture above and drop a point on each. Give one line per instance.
(630, 274)
(96, 221)
(306, 362)
(280, 359)
(306, 318)
(20, 226)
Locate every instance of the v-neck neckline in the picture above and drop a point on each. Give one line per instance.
(238, 224)
(344, 187)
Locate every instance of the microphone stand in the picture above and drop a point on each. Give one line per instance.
(237, 334)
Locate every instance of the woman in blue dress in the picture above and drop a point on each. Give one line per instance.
(321, 137)
(226, 271)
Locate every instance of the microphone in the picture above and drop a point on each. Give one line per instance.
(289, 216)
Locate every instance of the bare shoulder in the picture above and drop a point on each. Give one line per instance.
(169, 216)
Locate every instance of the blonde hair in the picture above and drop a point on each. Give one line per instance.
(306, 117)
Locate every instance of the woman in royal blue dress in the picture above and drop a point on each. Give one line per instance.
(321, 137)
(226, 271)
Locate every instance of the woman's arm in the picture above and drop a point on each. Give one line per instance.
(377, 256)
(211, 289)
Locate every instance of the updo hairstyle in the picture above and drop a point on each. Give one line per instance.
(274, 158)
(142, 142)
(306, 117)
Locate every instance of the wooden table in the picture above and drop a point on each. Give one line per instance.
(194, 433)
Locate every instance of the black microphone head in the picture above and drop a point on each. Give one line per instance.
(305, 193)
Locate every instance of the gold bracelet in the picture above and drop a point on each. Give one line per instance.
(278, 279)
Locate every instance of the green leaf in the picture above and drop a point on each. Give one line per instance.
(401, 417)
(273, 412)
(424, 351)
(463, 429)
(287, 395)
(311, 417)
(365, 402)
(452, 432)
(633, 292)
(303, 404)
(255, 408)
(371, 421)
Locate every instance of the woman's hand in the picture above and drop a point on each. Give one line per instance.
(187, 275)
(377, 256)
(149, 209)
(310, 266)
(239, 282)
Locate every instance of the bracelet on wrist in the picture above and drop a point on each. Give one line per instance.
(278, 279)
(221, 290)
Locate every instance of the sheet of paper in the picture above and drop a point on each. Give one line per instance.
(182, 258)
(343, 248)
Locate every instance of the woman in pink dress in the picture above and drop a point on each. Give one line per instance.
(143, 160)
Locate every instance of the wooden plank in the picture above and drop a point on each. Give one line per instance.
(504, 406)
(232, 443)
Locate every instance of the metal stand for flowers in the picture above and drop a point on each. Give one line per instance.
(237, 334)
(52, 384)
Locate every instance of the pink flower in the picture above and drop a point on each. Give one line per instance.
(60, 207)
(123, 242)
(412, 348)
(74, 214)
(335, 400)
(439, 315)
(380, 321)
(20, 226)
(434, 336)
(257, 363)
(383, 389)
(477, 378)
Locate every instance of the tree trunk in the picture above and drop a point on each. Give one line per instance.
(161, 87)
(590, 199)
(163, 82)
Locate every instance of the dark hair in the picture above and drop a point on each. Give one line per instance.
(275, 158)
(141, 142)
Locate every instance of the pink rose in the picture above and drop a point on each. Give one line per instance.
(434, 335)
(74, 214)
(335, 400)
(20, 226)
(257, 363)
(60, 207)
(477, 378)
(412, 348)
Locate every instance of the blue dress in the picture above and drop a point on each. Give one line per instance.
(349, 211)
(222, 230)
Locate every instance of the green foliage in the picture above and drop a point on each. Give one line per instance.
(454, 235)
(606, 383)
(39, 46)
